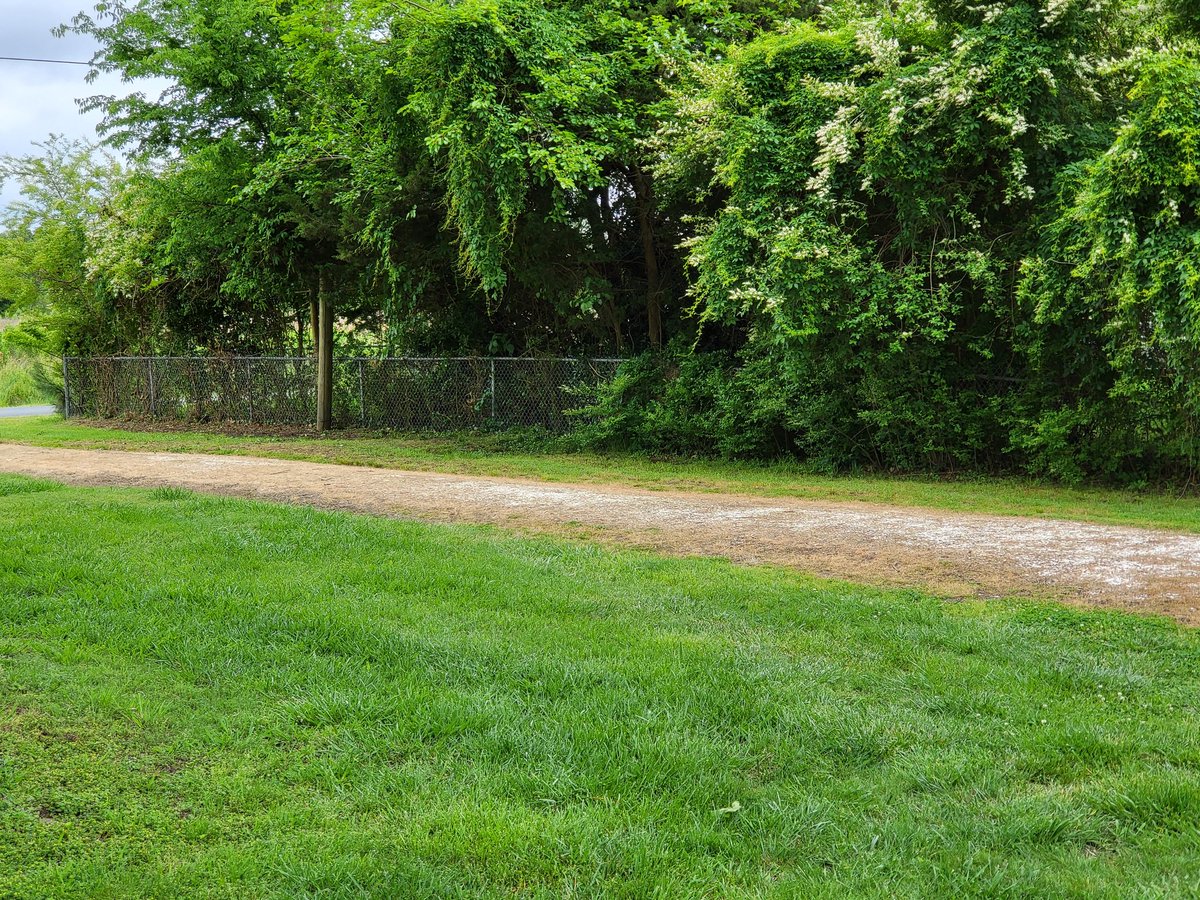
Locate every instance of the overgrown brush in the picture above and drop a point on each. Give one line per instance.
(26, 379)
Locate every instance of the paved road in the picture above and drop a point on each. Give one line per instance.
(951, 553)
(10, 412)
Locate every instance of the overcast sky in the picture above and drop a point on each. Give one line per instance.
(37, 99)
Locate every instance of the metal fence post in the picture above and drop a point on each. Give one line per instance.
(325, 360)
(153, 396)
(492, 390)
(250, 389)
(66, 390)
(362, 406)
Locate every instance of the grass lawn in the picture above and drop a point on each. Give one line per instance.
(212, 697)
(483, 454)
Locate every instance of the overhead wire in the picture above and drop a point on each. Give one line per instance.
(34, 59)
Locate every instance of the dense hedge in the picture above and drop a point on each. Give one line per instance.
(924, 234)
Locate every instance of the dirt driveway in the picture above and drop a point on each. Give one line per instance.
(952, 554)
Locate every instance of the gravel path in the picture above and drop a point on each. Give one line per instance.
(955, 554)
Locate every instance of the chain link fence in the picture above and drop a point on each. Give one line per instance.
(405, 393)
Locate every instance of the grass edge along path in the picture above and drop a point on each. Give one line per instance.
(211, 697)
(493, 455)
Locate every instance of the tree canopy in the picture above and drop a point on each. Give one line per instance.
(915, 234)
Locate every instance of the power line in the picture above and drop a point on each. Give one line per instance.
(77, 62)
(57, 62)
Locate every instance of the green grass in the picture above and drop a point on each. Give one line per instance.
(496, 455)
(213, 697)
(19, 385)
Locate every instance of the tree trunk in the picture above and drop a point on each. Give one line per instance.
(596, 223)
(645, 207)
(600, 222)
(324, 357)
(615, 320)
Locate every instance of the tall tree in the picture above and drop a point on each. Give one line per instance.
(46, 241)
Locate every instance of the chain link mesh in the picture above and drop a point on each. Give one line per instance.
(405, 393)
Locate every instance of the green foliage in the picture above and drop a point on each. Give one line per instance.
(23, 380)
(911, 235)
(45, 244)
(875, 194)
(1116, 292)
(27, 376)
(688, 404)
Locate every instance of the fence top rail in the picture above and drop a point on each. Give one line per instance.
(309, 359)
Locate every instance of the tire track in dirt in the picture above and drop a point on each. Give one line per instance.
(952, 554)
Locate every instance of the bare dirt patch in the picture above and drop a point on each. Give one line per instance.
(953, 554)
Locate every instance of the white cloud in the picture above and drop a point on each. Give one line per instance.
(37, 99)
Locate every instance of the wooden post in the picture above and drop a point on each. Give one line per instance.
(325, 361)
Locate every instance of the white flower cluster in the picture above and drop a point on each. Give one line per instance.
(119, 244)
(748, 296)
(792, 242)
(883, 51)
(842, 91)
(1084, 69)
(1053, 11)
(947, 84)
(1015, 122)
(990, 11)
(1019, 188)
(835, 140)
